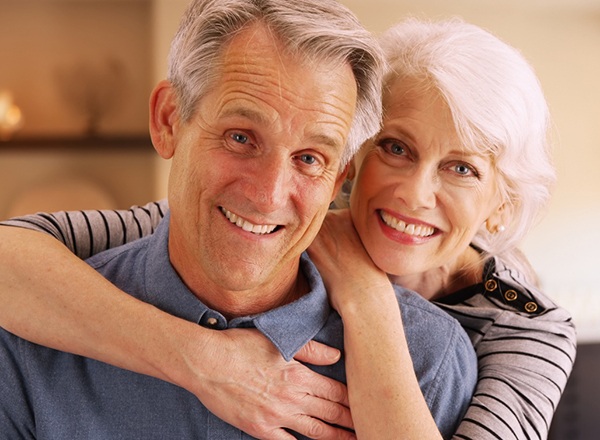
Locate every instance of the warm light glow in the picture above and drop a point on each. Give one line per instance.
(11, 118)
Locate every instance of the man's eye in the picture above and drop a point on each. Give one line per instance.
(311, 164)
(308, 159)
(240, 141)
(239, 137)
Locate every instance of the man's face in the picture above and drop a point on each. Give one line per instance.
(256, 167)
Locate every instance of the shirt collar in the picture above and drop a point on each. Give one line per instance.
(291, 326)
(288, 327)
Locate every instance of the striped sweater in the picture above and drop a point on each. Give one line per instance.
(524, 342)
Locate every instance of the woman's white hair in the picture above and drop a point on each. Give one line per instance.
(498, 107)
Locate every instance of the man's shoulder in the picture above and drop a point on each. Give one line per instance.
(412, 304)
(128, 254)
(443, 358)
(433, 335)
(118, 254)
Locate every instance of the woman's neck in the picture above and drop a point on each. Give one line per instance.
(436, 283)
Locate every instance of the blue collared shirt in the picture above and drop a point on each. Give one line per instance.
(48, 394)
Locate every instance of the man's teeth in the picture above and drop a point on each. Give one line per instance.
(410, 229)
(246, 225)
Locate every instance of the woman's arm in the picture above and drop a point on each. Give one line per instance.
(86, 233)
(525, 360)
(49, 296)
(384, 394)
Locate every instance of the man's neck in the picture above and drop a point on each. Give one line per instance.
(244, 303)
(259, 299)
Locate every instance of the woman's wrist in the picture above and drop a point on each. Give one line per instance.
(352, 299)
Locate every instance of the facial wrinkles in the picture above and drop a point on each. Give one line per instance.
(293, 95)
(462, 208)
(258, 88)
(289, 128)
(286, 112)
(255, 95)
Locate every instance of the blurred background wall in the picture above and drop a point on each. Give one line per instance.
(81, 72)
(48, 44)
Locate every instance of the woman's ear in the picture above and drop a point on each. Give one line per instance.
(164, 119)
(498, 219)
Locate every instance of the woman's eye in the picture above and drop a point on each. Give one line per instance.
(394, 147)
(463, 169)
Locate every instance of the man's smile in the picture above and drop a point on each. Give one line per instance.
(246, 225)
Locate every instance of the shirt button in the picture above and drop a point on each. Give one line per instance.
(510, 295)
(212, 321)
(531, 307)
(490, 285)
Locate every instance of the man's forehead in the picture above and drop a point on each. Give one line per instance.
(262, 82)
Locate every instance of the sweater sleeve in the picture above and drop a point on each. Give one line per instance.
(524, 361)
(88, 232)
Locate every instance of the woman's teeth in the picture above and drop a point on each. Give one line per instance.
(401, 226)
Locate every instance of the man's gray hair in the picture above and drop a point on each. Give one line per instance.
(312, 29)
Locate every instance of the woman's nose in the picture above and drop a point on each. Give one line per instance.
(418, 190)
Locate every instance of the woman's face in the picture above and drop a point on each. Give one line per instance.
(419, 196)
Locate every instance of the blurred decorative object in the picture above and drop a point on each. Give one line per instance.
(11, 118)
(62, 193)
(93, 90)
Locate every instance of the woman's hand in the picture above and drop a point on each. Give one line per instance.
(347, 269)
(250, 386)
(384, 394)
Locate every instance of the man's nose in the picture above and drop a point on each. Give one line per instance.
(270, 185)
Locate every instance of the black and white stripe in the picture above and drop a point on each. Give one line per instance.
(525, 358)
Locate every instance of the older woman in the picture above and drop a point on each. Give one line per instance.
(441, 198)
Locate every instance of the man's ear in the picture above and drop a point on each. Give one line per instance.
(351, 170)
(164, 119)
(341, 178)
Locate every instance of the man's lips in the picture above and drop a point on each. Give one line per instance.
(246, 225)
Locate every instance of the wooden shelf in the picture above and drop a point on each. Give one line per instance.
(78, 143)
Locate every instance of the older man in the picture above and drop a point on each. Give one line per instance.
(265, 103)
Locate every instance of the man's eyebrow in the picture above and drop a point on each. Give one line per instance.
(260, 118)
(248, 113)
(328, 141)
